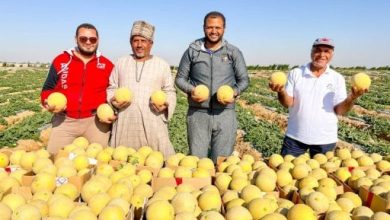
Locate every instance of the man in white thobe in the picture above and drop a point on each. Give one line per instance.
(140, 122)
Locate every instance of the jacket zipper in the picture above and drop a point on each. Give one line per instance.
(211, 85)
(82, 89)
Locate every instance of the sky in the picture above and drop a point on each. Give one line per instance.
(267, 32)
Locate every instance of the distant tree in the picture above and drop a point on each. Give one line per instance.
(360, 68)
(283, 66)
(383, 68)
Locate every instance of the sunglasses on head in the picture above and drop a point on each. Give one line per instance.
(84, 39)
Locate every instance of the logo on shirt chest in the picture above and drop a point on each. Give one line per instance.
(330, 87)
(101, 65)
(225, 58)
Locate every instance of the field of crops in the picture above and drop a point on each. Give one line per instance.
(261, 117)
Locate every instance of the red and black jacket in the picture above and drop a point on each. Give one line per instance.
(84, 85)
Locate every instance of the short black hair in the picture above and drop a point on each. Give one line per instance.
(214, 14)
(87, 26)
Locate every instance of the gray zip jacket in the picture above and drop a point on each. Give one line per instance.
(225, 66)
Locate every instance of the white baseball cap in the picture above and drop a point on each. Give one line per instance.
(323, 41)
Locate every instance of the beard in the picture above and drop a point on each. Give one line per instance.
(139, 55)
(86, 52)
(213, 41)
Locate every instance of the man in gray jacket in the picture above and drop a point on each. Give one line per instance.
(213, 62)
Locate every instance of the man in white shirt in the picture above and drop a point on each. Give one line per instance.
(315, 94)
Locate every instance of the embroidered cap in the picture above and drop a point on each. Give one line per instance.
(323, 41)
(142, 28)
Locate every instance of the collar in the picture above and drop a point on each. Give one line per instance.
(202, 47)
(307, 70)
(201, 43)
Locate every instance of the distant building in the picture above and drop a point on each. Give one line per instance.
(42, 65)
(11, 64)
(24, 64)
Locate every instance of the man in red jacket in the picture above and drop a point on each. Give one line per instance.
(81, 74)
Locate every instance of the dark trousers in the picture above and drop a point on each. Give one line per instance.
(296, 148)
(211, 129)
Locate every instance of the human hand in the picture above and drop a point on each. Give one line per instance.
(53, 109)
(229, 101)
(196, 97)
(109, 120)
(158, 108)
(119, 105)
(356, 93)
(226, 102)
(276, 87)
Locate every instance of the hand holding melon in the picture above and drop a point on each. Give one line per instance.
(105, 113)
(361, 81)
(225, 95)
(360, 84)
(122, 98)
(277, 81)
(200, 93)
(56, 102)
(158, 101)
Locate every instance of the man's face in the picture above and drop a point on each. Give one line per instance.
(87, 41)
(321, 56)
(141, 46)
(214, 29)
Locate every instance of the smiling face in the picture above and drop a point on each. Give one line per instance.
(321, 56)
(141, 47)
(87, 41)
(214, 29)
